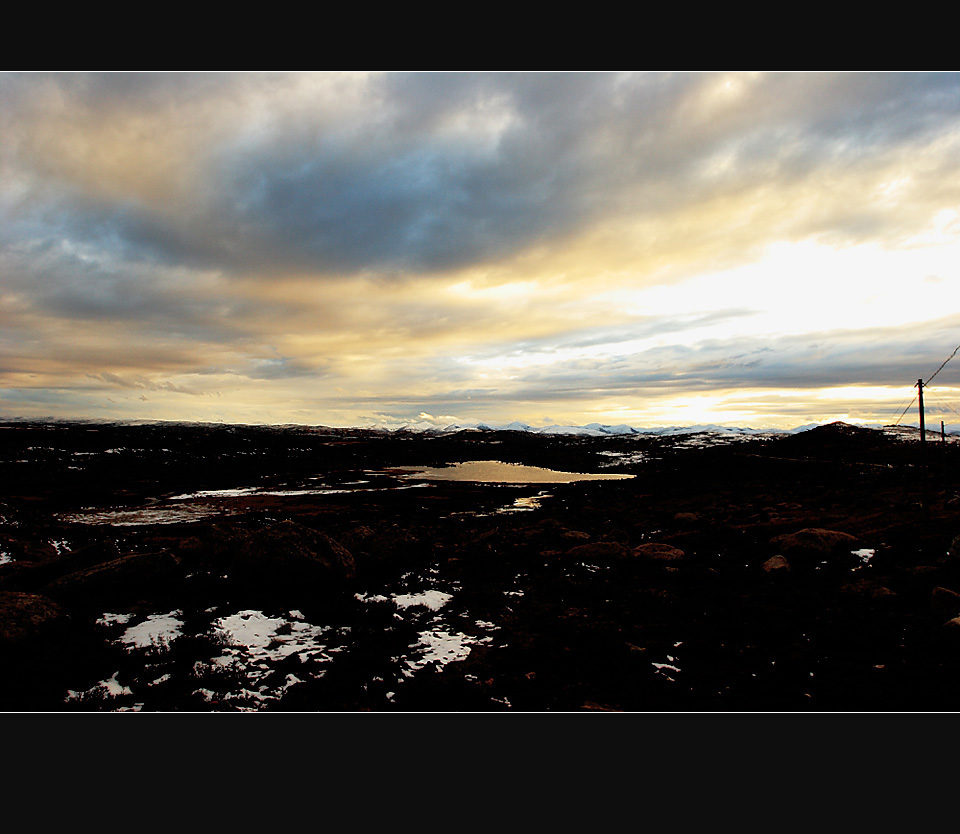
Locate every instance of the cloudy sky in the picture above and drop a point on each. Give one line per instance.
(351, 248)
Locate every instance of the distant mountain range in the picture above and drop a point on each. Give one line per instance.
(589, 430)
(601, 430)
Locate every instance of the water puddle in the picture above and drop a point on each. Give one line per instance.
(147, 515)
(527, 503)
(209, 503)
(498, 472)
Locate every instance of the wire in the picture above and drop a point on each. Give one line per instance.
(944, 404)
(905, 411)
(944, 363)
(903, 401)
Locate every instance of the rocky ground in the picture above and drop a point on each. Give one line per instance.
(202, 568)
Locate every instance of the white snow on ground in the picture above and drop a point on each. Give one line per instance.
(110, 688)
(239, 492)
(434, 600)
(256, 637)
(440, 647)
(158, 631)
(437, 644)
(371, 597)
(253, 643)
(110, 619)
(619, 458)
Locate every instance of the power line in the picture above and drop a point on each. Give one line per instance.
(944, 363)
(905, 411)
(921, 385)
(944, 404)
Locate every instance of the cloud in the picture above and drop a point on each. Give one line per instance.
(451, 241)
(427, 172)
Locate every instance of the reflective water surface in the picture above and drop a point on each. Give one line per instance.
(498, 472)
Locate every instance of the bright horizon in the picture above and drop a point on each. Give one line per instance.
(762, 250)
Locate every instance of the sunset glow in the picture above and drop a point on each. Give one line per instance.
(754, 249)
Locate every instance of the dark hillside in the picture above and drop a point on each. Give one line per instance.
(817, 571)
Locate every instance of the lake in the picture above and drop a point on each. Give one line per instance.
(498, 472)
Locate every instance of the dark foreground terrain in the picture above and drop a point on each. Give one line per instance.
(223, 568)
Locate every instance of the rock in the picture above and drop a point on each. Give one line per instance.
(945, 604)
(617, 535)
(660, 552)
(132, 577)
(32, 576)
(359, 538)
(289, 556)
(869, 590)
(953, 552)
(213, 550)
(921, 571)
(30, 550)
(599, 552)
(776, 564)
(400, 541)
(812, 545)
(28, 618)
(38, 652)
(575, 536)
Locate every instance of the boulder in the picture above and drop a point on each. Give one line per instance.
(776, 564)
(617, 535)
(28, 618)
(869, 590)
(32, 576)
(575, 536)
(945, 604)
(813, 545)
(29, 550)
(659, 552)
(599, 552)
(359, 538)
(290, 556)
(128, 579)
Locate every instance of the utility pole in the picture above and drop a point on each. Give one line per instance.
(923, 430)
(923, 452)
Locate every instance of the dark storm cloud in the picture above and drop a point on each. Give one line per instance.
(405, 196)
(439, 170)
(78, 285)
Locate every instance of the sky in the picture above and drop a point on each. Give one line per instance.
(757, 249)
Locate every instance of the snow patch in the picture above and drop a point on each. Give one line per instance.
(434, 600)
(440, 647)
(158, 631)
(109, 688)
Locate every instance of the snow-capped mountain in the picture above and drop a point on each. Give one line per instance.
(589, 430)
(604, 430)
